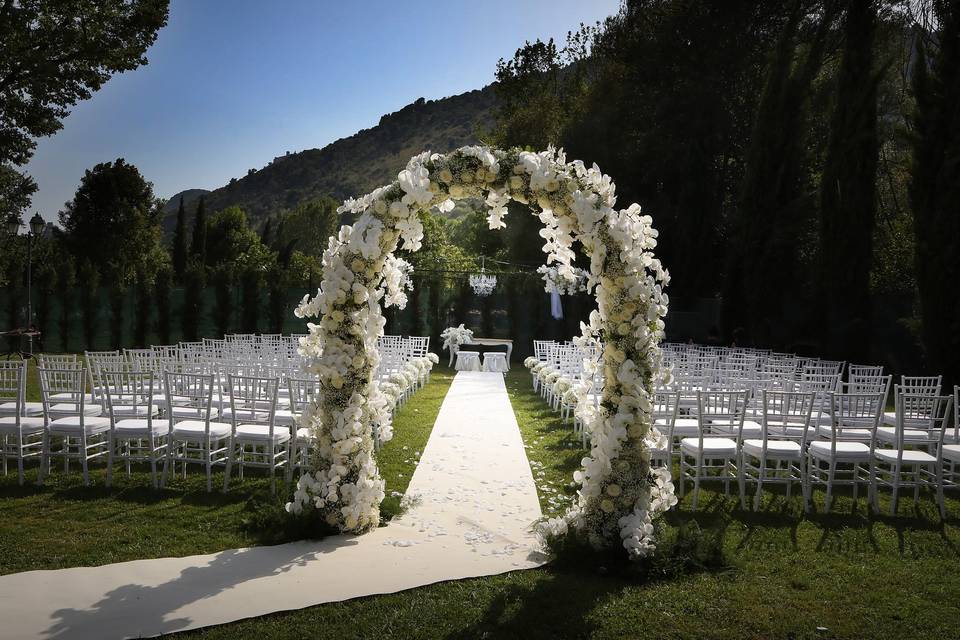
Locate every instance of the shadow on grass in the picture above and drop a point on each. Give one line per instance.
(557, 605)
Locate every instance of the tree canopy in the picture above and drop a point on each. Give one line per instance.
(113, 222)
(54, 53)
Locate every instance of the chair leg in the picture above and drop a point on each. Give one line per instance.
(916, 484)
(940, 501)
(153, 460)
(110, 451)
(83, 457)
(19, 460)
(166, 461)
(896, 489)
(44, 458)
(696, 484)
(760, 478)
(830, 475)
(226, 474)
(742, 484)
(209, 461)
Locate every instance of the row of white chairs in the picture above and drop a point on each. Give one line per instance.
(225, 406)
(176, 421)
(795, 437)
(765, 383)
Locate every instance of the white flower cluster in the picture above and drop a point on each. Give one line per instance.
(565, 286)
(399, 385)
(397, 281)
(620, 496)
(453, 337)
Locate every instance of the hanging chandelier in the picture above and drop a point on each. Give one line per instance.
(481, 283)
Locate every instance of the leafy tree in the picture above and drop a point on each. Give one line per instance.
(848, 192)
(235, 254)
(776, 195)
(198, 243)
(935, 191)
(307, 227)
(54, 54)
(113, 222)
(180, 243)
(89, 277)
(194, 284)
(16, 190)
(265, 236)
(538, 91)
(164, 285)
(66, 283)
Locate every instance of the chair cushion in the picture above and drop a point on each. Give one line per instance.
(846, 450)
(8, 425)
(712, 447)
(791, 430)
(194, 429)
(28, 408)
(910, 456)
(781, 449)
(283, 417)
(134, 426)
(70, 408)
(132, 411)
(71, 425)
(69, 397)
(681, 427)
(889, 434)
(855, 434)
(261, 433)
(192, 412)
(951, 452)
(751, 429)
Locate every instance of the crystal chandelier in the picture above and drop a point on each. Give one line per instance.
(481, 283)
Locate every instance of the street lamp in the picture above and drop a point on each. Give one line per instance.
(35, 228)
(13, 224)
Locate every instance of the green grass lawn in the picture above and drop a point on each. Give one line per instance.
(786, 574)
(64, 524)
(854, 575)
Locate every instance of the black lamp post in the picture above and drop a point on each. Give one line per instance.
(34, 230)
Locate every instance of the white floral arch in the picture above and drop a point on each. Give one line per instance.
(620, 495)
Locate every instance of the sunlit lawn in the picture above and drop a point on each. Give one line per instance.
(851, 574)
(64, 524)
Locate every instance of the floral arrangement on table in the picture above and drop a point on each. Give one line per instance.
(564, 285)
(621, 496)
(453, 337)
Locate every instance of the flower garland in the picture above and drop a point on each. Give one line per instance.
(453, 337)
(554, 282)
(620, 496)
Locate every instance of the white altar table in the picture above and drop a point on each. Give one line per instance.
(487, 342)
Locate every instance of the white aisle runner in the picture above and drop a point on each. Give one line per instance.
(478, 500)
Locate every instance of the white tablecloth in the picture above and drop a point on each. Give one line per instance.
(468, 361)
(494, 361)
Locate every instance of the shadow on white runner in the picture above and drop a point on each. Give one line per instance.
(477, 501)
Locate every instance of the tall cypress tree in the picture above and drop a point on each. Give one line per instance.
(198, 245)
(180, 243)
(935, 192)
(765, 250)
(266, 237)
(848, 192)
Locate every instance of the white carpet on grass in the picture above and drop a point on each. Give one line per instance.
(477, 501)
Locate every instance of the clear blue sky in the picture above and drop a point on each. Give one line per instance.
(232, 83)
